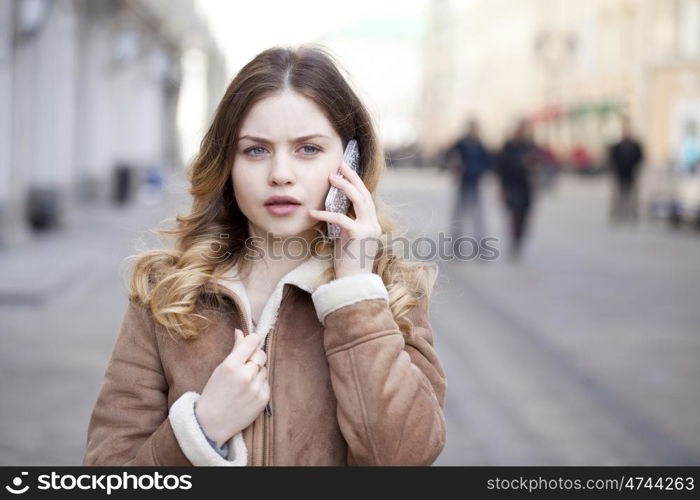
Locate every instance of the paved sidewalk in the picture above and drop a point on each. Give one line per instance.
(585, 352)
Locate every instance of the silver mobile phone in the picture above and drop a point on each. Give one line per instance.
(336, 200)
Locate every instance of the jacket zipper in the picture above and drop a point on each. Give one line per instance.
(268, 408)
(264, 455)
(264, 458)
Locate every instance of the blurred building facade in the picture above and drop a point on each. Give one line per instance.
(89, 91)
(386, 81)
(572, 68)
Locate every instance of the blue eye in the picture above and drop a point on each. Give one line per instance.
(307, 150)
(250, 150)
(314, 149)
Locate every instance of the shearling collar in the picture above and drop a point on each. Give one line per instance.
(308, 276)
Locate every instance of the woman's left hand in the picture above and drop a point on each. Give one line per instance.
(359, 237)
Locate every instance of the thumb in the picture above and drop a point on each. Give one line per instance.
(238, 337)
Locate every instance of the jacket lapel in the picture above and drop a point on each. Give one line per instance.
(308, 276)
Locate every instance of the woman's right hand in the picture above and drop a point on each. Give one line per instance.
(236, 392)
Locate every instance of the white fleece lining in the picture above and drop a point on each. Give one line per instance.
(347, 290)
(192, 441)
(436, 270)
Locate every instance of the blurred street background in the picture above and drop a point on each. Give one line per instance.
(559, 141)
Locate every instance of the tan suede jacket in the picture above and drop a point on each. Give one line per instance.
(346, 389)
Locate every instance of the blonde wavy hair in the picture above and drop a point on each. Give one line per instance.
(171, 282)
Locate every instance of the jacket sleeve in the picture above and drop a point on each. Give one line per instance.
(131, 423)
(390, 392)
(195, 444)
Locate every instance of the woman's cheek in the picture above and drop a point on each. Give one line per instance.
(322, 192)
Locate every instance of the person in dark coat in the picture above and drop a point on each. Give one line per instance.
(514, 167)
(626, 157)
(474, 161)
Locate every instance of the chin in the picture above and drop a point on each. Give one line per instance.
(285, 229)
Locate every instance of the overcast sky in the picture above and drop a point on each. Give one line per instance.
(246, 28)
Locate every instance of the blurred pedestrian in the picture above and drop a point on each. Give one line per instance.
(474, 160)
(626, 157)
(515, 164)
(152, 186)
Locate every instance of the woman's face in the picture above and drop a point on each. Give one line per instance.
(286, 147)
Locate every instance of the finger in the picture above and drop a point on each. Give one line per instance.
(351, 191)
(261, 377)
(355, 179)
(252, 369)
(245, 349)
(259, 357)
(333, 217)
(238, 337)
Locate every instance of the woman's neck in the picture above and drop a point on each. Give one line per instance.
(273, 258)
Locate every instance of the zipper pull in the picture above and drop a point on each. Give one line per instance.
(268, 409)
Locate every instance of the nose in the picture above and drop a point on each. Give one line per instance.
(282, 170)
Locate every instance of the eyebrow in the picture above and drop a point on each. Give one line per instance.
(302, 138)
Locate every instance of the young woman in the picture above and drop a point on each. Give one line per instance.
(257, 339)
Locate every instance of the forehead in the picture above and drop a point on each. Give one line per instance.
(286, 113)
